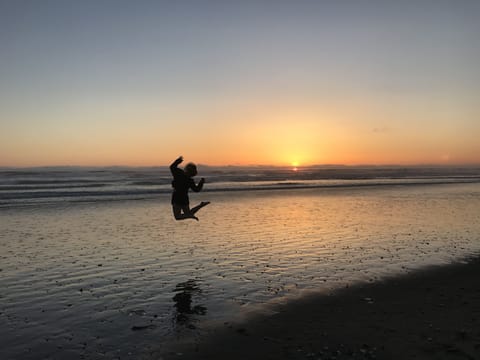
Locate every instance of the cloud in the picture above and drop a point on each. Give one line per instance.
(381, 130)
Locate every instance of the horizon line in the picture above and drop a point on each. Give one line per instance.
(244, 166)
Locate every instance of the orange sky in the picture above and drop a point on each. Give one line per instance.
(308, 83)
(276, 133)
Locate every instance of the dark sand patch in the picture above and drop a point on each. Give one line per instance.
(430, 314)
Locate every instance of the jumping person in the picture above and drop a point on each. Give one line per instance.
(182, 181)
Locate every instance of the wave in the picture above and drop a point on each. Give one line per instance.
(37, 196)
(50, 185)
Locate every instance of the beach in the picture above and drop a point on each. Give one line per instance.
(96, 277)
(239, 180)
(429, 314)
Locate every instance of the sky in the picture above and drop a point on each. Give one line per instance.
(239, 82)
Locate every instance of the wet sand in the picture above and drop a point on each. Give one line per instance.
(122, 279)
(429, 314)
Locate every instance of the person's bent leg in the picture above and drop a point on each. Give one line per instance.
(177, 212)
(199, 206)
(187, 212)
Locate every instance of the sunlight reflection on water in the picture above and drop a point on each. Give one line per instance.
(101, 279)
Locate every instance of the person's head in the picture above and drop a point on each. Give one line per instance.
(190, 169)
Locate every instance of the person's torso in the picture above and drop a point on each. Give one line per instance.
(181, 182)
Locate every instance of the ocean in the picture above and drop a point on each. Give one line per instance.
(93, 265)
(50, 185)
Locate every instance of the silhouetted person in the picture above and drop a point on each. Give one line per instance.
(182, 182)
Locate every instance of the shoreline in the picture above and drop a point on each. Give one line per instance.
(428, 314)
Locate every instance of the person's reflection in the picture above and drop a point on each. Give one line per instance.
(183, 301)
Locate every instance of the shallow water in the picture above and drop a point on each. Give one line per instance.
(122, 279)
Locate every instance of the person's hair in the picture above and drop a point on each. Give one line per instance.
(191, 169)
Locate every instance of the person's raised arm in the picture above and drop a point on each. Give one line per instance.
(174, 165)
(198, 187)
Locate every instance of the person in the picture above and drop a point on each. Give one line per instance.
(182, 182)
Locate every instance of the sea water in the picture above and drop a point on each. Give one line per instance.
(82, 275)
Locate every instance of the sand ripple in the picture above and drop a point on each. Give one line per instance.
(119, 279)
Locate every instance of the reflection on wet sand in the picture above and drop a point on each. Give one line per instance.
(185, 291)
(106, 274)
